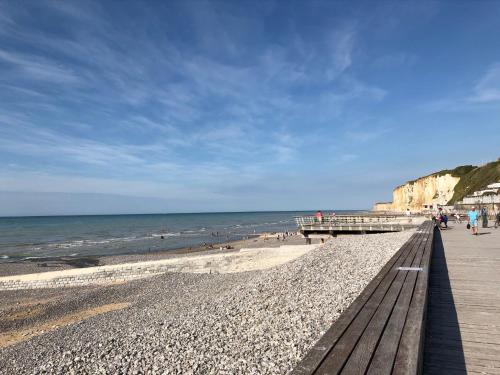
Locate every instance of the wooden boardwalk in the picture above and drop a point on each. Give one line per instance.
(463, 320)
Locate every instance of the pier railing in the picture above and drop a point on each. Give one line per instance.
(351, 219)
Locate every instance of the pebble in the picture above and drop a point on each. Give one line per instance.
(260, 322)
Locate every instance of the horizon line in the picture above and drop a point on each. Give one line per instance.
(176, 213)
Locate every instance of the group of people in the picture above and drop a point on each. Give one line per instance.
(473, 217)
(319, 216)
(441, 218)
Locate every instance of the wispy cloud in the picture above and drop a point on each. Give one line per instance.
(488, 88)
(485, 92)
(342, 44)
(396, 59)
(143, 108)
(367, 134)
(34, 67)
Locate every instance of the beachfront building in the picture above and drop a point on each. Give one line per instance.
(489, 196)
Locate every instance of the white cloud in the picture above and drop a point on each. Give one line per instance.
(367, 135)
(395, 59)
(342, 43)
(161, 119)
(488, 88)
(37, 68)
(486, 91)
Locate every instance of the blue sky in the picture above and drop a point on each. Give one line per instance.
(119, 107)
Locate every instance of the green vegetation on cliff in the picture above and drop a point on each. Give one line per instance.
(473, 178)
(460, 171)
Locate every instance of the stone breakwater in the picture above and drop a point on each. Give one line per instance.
(243, 260)
(259, 322)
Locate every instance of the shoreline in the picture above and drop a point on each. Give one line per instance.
(58, 263)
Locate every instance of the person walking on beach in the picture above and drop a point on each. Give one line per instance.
(473, 215)
(319, 216)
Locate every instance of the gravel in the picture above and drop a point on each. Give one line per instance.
(247, 323)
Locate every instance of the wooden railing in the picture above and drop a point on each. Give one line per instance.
(351, 219)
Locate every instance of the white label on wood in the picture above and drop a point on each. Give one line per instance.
(410, 269)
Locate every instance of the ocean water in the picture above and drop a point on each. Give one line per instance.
(25, 237)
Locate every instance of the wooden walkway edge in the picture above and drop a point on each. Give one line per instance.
(463, 325)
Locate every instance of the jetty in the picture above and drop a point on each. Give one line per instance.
(351, 224)
(434, 308)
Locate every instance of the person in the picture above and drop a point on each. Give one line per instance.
(484, 217)
(443, 217)
(445, 220)
(408, 212)
(440, 217)
(497, 216)
(457, 217)
(473, 215)
(319, 216)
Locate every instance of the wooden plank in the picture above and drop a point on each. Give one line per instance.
(339, 354)
(316, 355)
(453, 370)
(410, 352)
(383, 359)
(450, 356)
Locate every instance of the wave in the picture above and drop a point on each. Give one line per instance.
(80, 243)
(114, 236)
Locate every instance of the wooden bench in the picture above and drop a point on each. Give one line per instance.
(382, 331)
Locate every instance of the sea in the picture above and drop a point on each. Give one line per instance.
(24, 238)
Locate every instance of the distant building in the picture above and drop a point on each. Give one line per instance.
(490, 195)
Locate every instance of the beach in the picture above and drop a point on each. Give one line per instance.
(58, 263)
(250, 322)
(90, 236)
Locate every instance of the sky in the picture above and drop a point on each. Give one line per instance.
(191, 106)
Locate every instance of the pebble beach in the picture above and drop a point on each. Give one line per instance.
(257, 322)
